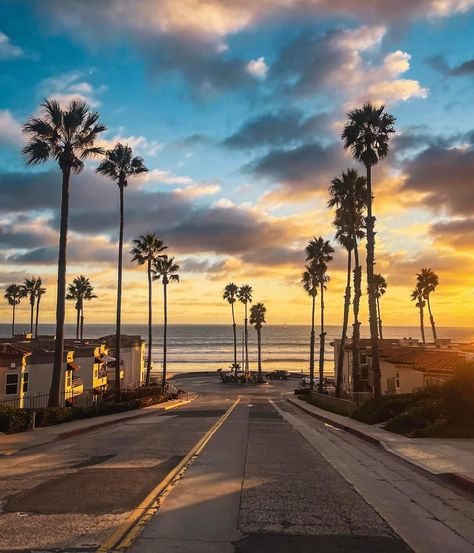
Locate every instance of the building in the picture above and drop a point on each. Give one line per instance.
(405, 364)
(132, 360)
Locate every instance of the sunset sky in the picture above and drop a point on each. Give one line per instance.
(237, 109)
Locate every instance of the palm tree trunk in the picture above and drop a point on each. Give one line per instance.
(118, 320)
(433, 326)
(246, 338)
(311, 350)
(234, 329)
(32, 311)
(78, 318)
(81, 334)
(13, 319)
(37, 315)
(259, 348)
(345, 322)
(379, 319)
(57, 375)
(374, 342)
(356, 325)
(322, 344)
(422, 325)
(150, 322)
(165, 328)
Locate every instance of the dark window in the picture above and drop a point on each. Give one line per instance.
(11, 384)
(26, 379)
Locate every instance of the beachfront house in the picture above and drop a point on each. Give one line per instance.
(132, 360)
(14, 374)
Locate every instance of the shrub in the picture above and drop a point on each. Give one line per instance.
(13, 419)
(405, 423)
(53, 415)
(458, 395)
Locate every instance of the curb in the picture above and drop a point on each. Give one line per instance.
(454, 478)
(91, 428)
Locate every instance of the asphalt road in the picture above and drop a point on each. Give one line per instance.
(270, 479)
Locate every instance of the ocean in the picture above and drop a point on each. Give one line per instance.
(210, 347)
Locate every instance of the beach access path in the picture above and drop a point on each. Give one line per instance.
(240, 469)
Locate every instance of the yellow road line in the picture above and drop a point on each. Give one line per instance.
(128, 531)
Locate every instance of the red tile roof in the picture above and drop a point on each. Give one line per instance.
(432, 361)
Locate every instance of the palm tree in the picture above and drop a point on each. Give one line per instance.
(146, 249)
(257, 318)
(367, 133)
(319, 253)
(310, 283)
(67, 136)
(230, 294)
(30, 285)
(380, 287)
(428, 281)
(119, 164)
(14, 294)
(79, 290)
(165, 268)
(245, 296)
(40, 291)
(349, 195)
(417, 295)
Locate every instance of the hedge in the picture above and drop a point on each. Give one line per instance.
(13, 419)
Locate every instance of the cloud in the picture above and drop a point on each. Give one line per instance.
(197, 190)
(334, 62)
(457, 234)
(299, 171)
(257, 68)
(70, 86)
(462, 69)
(10, 130)
(285, 126)
(444, 178)
(9, 50)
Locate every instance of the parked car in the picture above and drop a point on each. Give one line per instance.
(278, 375)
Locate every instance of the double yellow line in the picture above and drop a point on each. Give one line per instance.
(128, 531)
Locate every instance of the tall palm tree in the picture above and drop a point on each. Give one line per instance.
(310, 283)
(119, 164)
(230, 294)
(147, 249)
(428, 281)
(348, 194)
(14, 293)
(417, 295)
(40, 292)
(257, 318)
(165, 268)
(79, 290)
(319, 253)
(30, 285)
(245, 296)
(367, 134)
(67, 136)
(380, 287)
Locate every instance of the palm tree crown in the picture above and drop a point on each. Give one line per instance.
(14, 293)
(319, 251)
(417, 295)
(310, 281)
(349, 191)
(230, 292)
(367, 133)
(257, 315)
(146, 248)
(166, 269)
(65, 135)
(245, 294)
(119, 164)
(428, 281)
(380, 285)
(80, 289)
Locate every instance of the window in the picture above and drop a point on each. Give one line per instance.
(68, 379)
(397, 379)
(11, 384)
(26, 379)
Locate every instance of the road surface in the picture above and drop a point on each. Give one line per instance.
(271, 478)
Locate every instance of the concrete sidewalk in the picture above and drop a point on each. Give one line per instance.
(449, 458)
(12, 443)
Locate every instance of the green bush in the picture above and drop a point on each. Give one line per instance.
(405, 423)
(53, 415)
(458, 395)
(13, 419)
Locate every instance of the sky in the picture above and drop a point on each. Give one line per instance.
(237, 109)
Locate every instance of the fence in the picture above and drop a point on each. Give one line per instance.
(89, 397)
